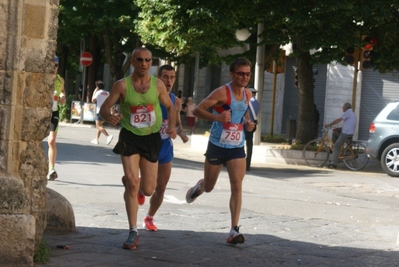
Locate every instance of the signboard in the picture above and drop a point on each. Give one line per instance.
(86, 59)
(76, 110)
(89, 112)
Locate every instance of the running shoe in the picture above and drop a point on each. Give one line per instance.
(52, 175)
(132, 241)
(235, 237)
(94, 141)
(109, 139)
(149, 225)
(140, 198)
(192, 193)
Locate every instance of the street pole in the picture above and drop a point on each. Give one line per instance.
(259, 80)
(355, 73)
(83, 70)
(196, 76)
(274, 95)
(83, 94)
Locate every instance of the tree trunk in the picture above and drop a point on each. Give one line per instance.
(305, 120)
(93, 68)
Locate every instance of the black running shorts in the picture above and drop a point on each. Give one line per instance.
(147, 146)
(217, 155)
(55, 117)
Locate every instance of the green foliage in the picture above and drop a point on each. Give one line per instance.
(111, 22)
(176, 29)
(185, 27)
(268, 138)
(297, 145)
(42, 254)
(65, 110)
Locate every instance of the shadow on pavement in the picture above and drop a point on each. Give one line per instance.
(102, 247)
(99, 155)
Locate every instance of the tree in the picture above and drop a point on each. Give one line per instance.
(107, 28)
(185, 26)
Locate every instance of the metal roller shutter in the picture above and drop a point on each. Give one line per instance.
(377, 90)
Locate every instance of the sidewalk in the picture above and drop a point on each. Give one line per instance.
(291, 215)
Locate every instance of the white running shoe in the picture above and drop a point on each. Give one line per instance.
(52, 175)
(109, 139)
(94, 141)
(235, 237)
(193, 193)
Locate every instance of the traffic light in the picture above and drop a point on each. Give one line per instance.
(296, 84)
(367, 55)
(351, 55)
(280, 68)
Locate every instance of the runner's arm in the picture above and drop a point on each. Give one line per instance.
(216, 98)
(165, 100)
(117, 92)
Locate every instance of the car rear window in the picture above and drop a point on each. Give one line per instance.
(394, 114)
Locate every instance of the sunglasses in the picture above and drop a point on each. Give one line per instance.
(140, 59)
(242, 74)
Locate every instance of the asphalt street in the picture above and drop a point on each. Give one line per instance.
(291, 215)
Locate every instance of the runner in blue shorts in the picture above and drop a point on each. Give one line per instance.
(167, 74)
(226, 142)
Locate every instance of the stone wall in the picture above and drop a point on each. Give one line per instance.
(28, 30)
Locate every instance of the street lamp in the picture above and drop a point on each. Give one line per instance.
(242, 34)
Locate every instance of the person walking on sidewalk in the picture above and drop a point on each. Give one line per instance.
(58, 98)
(140, 95)
(249, 135)
(167, 74)
(99, 96)
(226, 142)
(348, 130)
(190, 118)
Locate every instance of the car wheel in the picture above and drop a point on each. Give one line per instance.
(390, 160)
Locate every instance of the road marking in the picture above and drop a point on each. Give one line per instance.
(173, 199)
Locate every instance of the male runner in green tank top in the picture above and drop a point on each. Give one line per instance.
(58, 98)
(140, 95)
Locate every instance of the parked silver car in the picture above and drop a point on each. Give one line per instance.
(383, 143)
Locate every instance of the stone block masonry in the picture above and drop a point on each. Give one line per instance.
(28, 31)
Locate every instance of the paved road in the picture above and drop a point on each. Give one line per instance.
(291, 215)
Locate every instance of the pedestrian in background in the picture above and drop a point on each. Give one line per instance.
(81, 99)
(249, 135)
(99, 97)
(190, 118)
(316, 121)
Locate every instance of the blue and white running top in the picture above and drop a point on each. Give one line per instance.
(230, 135)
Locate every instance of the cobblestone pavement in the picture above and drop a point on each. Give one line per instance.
(291, 215)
